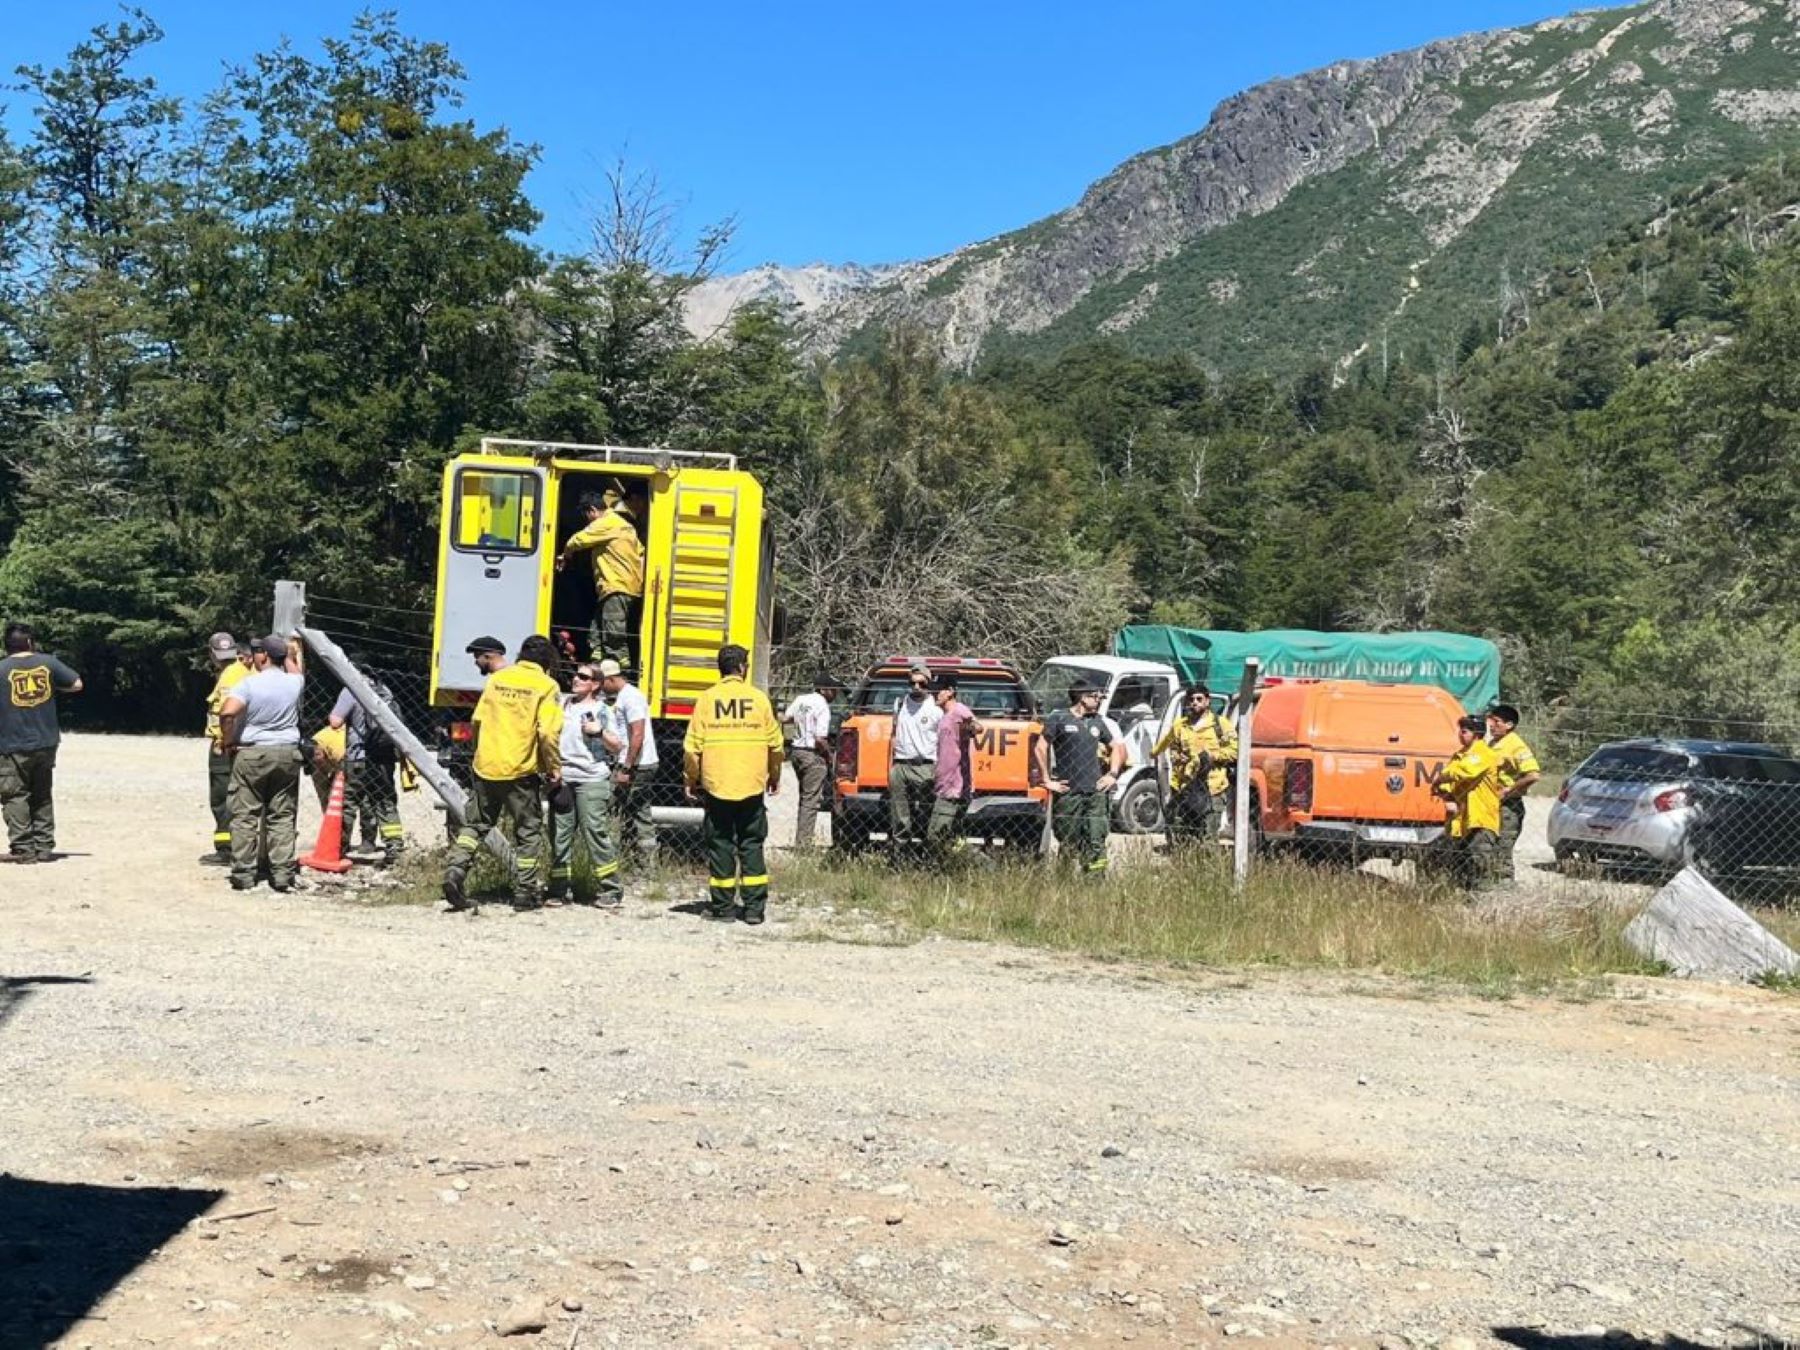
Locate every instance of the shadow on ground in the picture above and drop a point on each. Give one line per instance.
(64, 1246)
(1740, 1338)
(15, 989)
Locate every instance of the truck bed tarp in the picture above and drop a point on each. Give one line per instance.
(1469, 667)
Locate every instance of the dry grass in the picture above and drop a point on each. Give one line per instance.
(1186, 913)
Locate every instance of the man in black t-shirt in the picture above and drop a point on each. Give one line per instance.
(1087, 759)
(29, 683)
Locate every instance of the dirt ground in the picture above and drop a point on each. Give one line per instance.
(250, 1120)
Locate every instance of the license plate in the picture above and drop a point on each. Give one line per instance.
(1391, 834)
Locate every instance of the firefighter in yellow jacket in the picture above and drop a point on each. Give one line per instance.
(611, 533)
(732, 758)
(1470, 783)
(518, 732)
(1202, 746)
(232, 663)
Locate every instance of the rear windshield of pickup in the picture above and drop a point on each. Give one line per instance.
(987, 696)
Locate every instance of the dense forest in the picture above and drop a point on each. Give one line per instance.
(239, 340)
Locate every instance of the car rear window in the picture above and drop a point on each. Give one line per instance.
(999, 698)
(1635, 764)
(1751, 768)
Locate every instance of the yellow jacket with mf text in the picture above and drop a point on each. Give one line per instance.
(733, 744)
(519, 721)
(618, 553)
(1471, 779)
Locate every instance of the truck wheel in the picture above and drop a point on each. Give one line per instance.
(1139, 811)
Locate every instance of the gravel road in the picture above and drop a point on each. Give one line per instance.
(412, 1129)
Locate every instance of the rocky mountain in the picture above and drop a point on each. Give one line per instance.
(805, 290)
(1373, 207)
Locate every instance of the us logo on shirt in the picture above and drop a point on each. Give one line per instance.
(29, 688)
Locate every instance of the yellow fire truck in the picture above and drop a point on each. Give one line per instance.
(708, 568)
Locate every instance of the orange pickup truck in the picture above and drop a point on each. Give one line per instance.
(1007, 801)
(1347, 767)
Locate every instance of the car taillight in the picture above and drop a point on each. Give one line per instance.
(1297, 791)
(462, 731)
(846, 753)
(1563, 793)
(1672, 800)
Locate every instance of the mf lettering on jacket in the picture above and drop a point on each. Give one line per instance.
(733, 709)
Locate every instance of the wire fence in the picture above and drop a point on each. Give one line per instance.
(1626, 798)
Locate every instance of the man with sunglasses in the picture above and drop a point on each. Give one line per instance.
(582, 805)
(1201, 746)
(912, 772)
(1087, 759)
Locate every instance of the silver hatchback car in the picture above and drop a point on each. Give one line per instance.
(1661, 804)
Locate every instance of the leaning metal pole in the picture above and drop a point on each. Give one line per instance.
(1240, 807)
(290, 617)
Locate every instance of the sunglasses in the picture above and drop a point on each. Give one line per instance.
(586, 675)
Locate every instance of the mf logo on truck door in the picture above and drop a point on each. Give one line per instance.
(1425, 772)
(998, 740)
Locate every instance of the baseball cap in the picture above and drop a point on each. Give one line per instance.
(276, 646)
(223, 647)
(609, 668)
(1081, 689)
(1473, 722)
(947, 680)
(487, 644)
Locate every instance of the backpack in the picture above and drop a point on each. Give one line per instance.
(376, 743)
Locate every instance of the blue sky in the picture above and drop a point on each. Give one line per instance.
(840, 132)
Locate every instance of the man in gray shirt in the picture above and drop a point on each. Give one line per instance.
(261, 732)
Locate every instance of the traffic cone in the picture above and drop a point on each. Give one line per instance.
(328, 852)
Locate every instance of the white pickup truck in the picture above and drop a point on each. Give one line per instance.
(1135, 696)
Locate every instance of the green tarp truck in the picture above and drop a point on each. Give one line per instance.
(1469, 667)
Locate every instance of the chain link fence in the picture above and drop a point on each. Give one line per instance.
(1626, 798)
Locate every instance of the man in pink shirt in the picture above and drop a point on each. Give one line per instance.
(956, 732)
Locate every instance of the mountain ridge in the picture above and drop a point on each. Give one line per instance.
(1326, 215)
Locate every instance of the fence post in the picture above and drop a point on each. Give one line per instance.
(321, 646)
(1240, 807)
(290, 606)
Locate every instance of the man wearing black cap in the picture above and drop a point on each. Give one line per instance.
(809, 751)
(1087, 761)
(231, 661)
(518, 748)
(1519, 769)
(260, 729)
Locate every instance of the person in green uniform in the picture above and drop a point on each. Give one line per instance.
(231, 659)
(1086, 758)
(1519, 769)
(731, 760)
(30, 680)
(518, 732)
